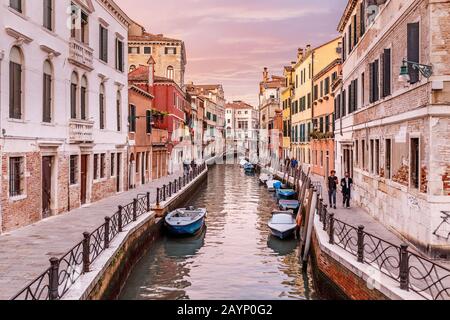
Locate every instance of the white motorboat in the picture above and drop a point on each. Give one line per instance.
(282, 224)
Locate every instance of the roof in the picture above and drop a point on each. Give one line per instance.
(141, 73)
(238, 105)
(152, 37)
(351, 4)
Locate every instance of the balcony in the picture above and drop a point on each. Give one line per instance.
(81, 131)
(81, 55)
(159, 137)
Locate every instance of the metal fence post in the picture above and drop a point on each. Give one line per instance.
(135, 202)
(175, 186)
(53, 281)
(331, 233)
(164, 193)
(404, 267)
(107, 226)
(170, 189)
(324, 218)
(119, 219)
(361, 244)
(86, 245)
(180, 183)
(148, 201)
(158, 191)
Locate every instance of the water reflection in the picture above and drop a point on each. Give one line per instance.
(234, 258)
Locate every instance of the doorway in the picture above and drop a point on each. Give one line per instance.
(84, 166)
(47, 166)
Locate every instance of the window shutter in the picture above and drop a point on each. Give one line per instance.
(73, 101)
(102, 112)
(344, 104)
(83, 103)
(16, 87)
(105, 44)
(149, 121)
(11, 90)
(376, 82)
(46, 116)
(413, 50)
(355, 89)
(371, 82)
(387, 72)
(362, 19)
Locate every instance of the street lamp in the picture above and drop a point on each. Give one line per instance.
(425, 70)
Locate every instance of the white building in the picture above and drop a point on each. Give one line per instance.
(63, 106)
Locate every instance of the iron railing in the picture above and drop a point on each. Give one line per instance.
(56, 281)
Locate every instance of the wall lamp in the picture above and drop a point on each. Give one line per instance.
(425, 70)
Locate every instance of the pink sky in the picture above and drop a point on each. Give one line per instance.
(231, 41)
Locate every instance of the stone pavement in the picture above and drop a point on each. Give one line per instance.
(25, 253)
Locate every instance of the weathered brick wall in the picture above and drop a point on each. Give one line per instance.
(27, 210)
(341, 280)
(103, 189)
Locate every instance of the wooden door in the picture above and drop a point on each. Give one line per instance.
(84, 168)
(47, 163)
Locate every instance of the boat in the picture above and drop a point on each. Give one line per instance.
(264, 177)
(186, 221)
(243, 162)
(273, 185)
(285, 193)
(286, 205)
(282, 224)
(249, 167)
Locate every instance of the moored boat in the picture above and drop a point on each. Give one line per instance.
(286, 205)
(285, 194)
(185, 221)
(264, 177)
(272, 185)
(282, 224)
(249, 167)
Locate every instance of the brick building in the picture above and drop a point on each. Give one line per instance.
(393, 135)
(63, 124)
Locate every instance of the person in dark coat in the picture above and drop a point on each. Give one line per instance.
(347, 184)
(332, 185)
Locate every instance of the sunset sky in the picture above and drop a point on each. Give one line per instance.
(231, 41)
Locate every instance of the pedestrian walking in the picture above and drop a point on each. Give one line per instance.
(346, 185)
(332, 189)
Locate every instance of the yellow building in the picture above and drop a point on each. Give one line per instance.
(310, 62)
(286, 99)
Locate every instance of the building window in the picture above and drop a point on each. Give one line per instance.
(113, 164)
(102, 106)
(171, 50)
(357, 152)
(83, 100)
(363, 94)
(48, 14)
(170, 72)
(73, 95)
(388, 159)
(362, 22)
(413, 50)
(363, 154)
(386, 72)
(147, 50)
(73, 170)
(148, 121)
(102, 166)
(415, 163)
(16, 5)
(327, 86)
(134, 50)
(103, 52)
(47, 92)
(80, 24)
(16, 176)
(118, 111)
(374, 81)
(377, 157)
(15, 83)
(132, 118)
(120, 54)
(95, 166)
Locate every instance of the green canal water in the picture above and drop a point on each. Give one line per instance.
(234, 258)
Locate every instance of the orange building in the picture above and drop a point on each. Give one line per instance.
(322, 138)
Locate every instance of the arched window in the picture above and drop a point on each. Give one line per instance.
(118, 110)
(73, 95)
(15, 83)
(84, 99)
(170, 72)
(102, 106)
(47, 92)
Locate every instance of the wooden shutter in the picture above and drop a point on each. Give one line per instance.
(102, 111)
(376, 80)
(48, 13)
(15, 90)
(73, 101)
(83, 103)
(413, 50)
(149, 121)
(119, 126)
(355, 33)
(47, 96)
(371, 100)
(387, 72)
(362, 19)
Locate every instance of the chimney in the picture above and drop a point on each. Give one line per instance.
(266, 75)
(300, 54)
(308, 48)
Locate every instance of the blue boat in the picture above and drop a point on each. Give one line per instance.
(287, 205)
(285, 193)
(185, 221)
(249, 167)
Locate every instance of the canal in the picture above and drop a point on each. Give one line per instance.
(234, 258)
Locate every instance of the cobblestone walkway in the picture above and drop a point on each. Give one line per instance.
(25, 253)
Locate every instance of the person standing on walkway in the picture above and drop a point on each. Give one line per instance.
(346, 185)
(332, 189)
(287, 163)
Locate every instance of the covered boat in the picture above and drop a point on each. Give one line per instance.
(282, 224)
(273, 185)
(185, 221)
(248, 167)
(285, 193)
(286, 205)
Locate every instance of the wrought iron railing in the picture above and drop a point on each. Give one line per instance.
(56, 281)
